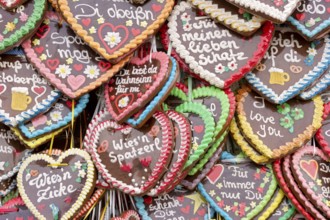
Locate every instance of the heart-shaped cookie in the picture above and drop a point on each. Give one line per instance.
(141, 117)
(18, 24)
(277, 11)
(322, 136)
(128, 215)
(296, 190)
(114, 31)
(229, 15)
(238, 190)
(290, 66)
(183, 205)
(11, 4)
(132, 160)
(65, 60)
(284, 211)
(181, 150)
(216, 54)
(58, 116)
(311, 19)
(277, 130)
(56, 188)
(317, 87)
(15, 209)
(310, 168)
(12, 153)
(136, 85)
(24, 94)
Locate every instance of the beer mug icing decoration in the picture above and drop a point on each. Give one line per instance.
(290, 65)
(23, 93)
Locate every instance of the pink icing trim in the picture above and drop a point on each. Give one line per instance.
(166, 152)
(134, 107)
(299, 176)
(319, 136)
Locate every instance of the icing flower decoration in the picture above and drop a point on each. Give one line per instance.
(146, 161)
(312, 51)
(92, 71)
(126, 167)
(23, 17)
(311, 54)
(123, 102)
(279, 3)
(82, 173)
(311, 22)
(77, 165)
(287, 122)
(187, 27)
(185, 17)
(309, 61)
(154, 131)
(297, 113)
(219, 68)
(232, 65)
(112, 39)
(63, 71)
(56, 115)
(283, 109)
(10, 26)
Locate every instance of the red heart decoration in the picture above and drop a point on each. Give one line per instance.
(76, 81)
(310, 167)
(52, 64)
(86, 21)
(78, 67)
(2, 88)
(186, 209)
(104, 66)
(180, 198)
(156, 8)
(38, 90)
(105, 28)
(199, 128)
(148, 200)
(215, 173)
(39, 49)
(42, 31)
(328, 10)
(135, 31)
(300, 16)
(69, 103)
(201, 212)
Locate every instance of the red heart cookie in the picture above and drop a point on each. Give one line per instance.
(132, 160)
(116, 30)
(66, 61)
(136, 84)
(61, 186)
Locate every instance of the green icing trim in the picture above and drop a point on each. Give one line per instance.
(289, 213)
(206, 116)
(39, 10)
(176, 92)
(204, 92)
(267, 197)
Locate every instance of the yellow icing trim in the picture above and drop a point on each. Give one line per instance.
(273, 206)
(289, 146)
(35, 142)
(245, 146)
(227, 18)
(133, 44)
(89, 185)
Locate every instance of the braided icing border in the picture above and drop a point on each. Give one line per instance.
(212, 78)
(247, 130)
(318, 136)
(295, 89)
(89, 185)
(137, 41)
(10, 188)
(321, 85)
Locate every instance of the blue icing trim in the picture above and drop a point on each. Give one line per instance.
(318, 88)
(82, 102)
(139, 202)
(299, 86)
(15, 51)
(310, 34)
(9, 189)
(155, 101)
(226, 156)
(212, 203)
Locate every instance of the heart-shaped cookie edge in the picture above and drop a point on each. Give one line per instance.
(138, 40)
(90, 177)
(247, 130)
(319, 136)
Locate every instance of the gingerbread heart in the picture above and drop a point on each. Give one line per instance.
(310, 168)
(70, 177)
(11, 4)
(128, 215)
(136, 85)
(181, 150)
(311, 19)
(141, 117)
(65, 60)
(238, 190)
(284, 211)
(229, 15)
(277, 130)
(16, 209)
(290, 66)
(12, 153)
(277, 11)
(115, 31)
(322, 136)
(58, 116)
(24, 94)
(216, 54)
(184, 205)
(132, 160)
(319, 86)
(18, 24)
